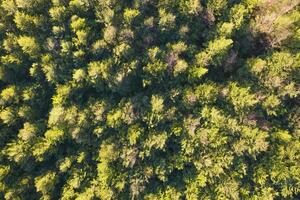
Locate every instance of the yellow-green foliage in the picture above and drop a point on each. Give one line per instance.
(162, 100)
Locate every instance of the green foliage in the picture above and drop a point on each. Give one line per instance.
(167, 99)
(9, 94)
(65, 164)
(8, 116)
(29, 45)
(79, 75)
(9, 6)
(155, 141)
(166, 20)
(77, 23)
(130, 14)
(98, 70)
(28, 131)
(17, 151)
(114, 118)
(26, 22)
(241, 98)
(30, 4)
(155, 68)
(169, 194)
(134, 132)
(58, 13)
(180, 67)
(45, 184)
(157, 103)
(54, 135)
(206, 93)
(214, 53)
(191, 7)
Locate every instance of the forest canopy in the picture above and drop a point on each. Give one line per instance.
(150, 99)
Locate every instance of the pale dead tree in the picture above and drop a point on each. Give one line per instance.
(270, 10)
(137, 186)
(264, 125)
(129, 157)
(171, 60)
(256, 120)
(191, 123)
(129, 114)
(127, 35)
(190, 98)
(230, 61)
(209, 17)
(147, 41)
(267, 21)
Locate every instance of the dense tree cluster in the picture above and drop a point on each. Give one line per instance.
(149, 99)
